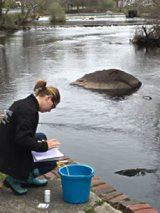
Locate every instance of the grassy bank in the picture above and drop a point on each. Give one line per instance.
(2, 176)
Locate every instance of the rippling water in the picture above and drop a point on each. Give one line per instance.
(107, 134)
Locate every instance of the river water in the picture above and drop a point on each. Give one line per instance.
(108, 134)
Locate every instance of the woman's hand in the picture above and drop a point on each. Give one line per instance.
(53, 143)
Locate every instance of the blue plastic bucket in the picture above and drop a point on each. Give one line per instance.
(76, 182)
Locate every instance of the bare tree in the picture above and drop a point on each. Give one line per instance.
(0, 9)
(31, 8)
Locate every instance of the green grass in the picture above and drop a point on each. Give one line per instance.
(92, 208)
(2, 176)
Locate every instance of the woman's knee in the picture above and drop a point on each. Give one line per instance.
(40, 136)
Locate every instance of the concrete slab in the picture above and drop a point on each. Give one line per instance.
(11, 203)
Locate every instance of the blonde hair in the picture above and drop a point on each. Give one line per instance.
(41, 89)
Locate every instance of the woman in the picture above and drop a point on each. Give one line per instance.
(18, 138)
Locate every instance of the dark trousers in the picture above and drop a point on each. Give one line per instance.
(47, 166)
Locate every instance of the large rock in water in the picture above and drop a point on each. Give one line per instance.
(114, 82)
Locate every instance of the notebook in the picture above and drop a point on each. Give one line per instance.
(52, 154)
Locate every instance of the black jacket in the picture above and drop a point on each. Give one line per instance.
(17, 138)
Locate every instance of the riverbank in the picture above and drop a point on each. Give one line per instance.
(103, 198)
(96, 19)
(82, 19)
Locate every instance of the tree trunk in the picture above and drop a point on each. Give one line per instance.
(0, 9)
(117, 3)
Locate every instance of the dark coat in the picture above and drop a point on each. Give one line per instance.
(17, 138)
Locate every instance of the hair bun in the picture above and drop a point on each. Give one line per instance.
(40, 85)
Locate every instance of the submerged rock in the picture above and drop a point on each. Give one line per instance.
(113, 81)
(135, 172)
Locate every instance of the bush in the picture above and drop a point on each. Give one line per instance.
(11, 19)
(147, 36)
(57, 13)
(2, 176)
(105, 5)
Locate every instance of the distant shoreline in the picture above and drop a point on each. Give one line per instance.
(97, 19)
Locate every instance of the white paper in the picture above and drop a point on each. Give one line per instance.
(43, 206)
(52, 154)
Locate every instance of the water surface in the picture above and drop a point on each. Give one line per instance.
(107, 134)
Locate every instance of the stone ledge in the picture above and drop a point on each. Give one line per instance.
(116, 199)
(107, 193)
(133, 206)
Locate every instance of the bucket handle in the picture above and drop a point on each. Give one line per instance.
(67, 169)
(59, 165)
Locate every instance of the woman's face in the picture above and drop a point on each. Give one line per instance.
(46, 103)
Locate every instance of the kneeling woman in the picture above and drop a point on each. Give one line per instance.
(19, 138)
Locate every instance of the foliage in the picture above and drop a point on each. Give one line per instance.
(9, 22)
(9, 4)
(150, 8)
(155, 9)
(87, 5)
(92, 208)
(2, 176)
(30, 11)
(56, 12)
(104, 5)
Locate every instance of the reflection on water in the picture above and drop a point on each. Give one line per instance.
(110, 135)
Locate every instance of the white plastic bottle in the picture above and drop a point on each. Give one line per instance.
(47, 196)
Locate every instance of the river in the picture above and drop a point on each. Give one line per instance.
(107, 134)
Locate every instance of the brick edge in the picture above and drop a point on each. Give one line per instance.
(119, 200)
(116, 199)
